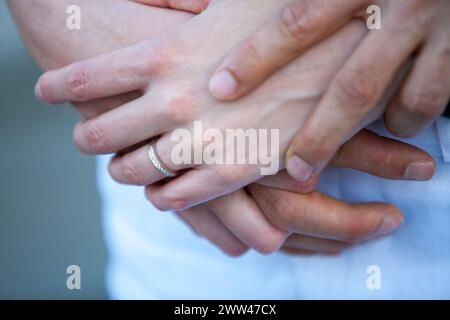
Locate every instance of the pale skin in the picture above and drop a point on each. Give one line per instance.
(359, 222)
(410, 28)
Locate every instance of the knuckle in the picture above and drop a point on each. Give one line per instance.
(78, 81)
(316, 149)
(168, 200)
(357, 89)
(270, 241)
(156, 60)
(292, 212)
(249, 51)
(131, 172)
(235, 250)
(89, 137)
(281, 211)
(426, 103)
(297, 19)
(180, 109)
(155, 200)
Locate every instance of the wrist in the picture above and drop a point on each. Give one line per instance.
(121, 23)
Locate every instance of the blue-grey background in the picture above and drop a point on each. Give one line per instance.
(49, 206)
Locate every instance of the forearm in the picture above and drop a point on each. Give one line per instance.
(106, 25)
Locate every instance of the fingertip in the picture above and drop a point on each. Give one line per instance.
(236, 250)
(152, 195)
(223, 85)
(44, 88)
(380, 219)
(299, 169)
(202, 5)
(394, 126)
(38, 92)
(391, 223)
(421, 170)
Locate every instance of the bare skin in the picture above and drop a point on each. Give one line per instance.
(225, 228)
(410, 28)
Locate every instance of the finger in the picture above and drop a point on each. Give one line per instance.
(284, 181)
(367, 152)
(384, 157)
(240, 214)
(107, 75)
(132, 123)
(425, 92)
(205, 223)
(301, 24)
(300, 252)
(349, 102)
(136, 168)
(371, 153)
(318, 215)
(190, 189)
(194, 6)
(91, 109)
(297, 252)
(313, 244)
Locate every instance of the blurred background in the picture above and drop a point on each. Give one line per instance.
(49, 207)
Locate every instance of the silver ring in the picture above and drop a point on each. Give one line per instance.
(157, 163)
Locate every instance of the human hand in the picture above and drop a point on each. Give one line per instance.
(355, 159)
(122, 23)
(177, 100)
(409, 27)
(280, 212)
(269, 217)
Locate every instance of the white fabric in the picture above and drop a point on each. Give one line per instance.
(155, 256)
(443, 127)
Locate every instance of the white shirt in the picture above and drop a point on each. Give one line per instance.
(154, 255)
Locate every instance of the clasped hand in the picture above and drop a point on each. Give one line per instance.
(232, 205)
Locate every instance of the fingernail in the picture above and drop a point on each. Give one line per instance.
(299, 169)
(420, 170)
(38, 92)
(390, 223)
(223, 85)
